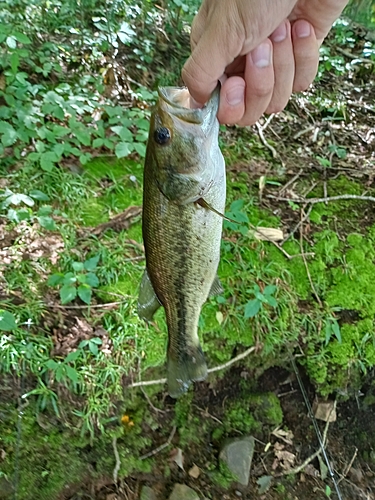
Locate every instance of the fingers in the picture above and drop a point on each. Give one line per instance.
(283, 65)
(306, 54)
(244, 100)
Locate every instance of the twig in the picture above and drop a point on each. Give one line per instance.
(323, 200)
(304, 131)
(161, 447)
(293, 179)
(345, 473)
(210, 370)
(305, 217)
(118, 461)
(91, 306)
(268, 121)
(307, 267)
(298, 469)
(264, 140)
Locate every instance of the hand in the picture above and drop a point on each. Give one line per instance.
(260, 50)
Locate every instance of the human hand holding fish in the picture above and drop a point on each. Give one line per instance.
(260, 50)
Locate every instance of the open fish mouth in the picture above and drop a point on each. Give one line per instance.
(178, 102)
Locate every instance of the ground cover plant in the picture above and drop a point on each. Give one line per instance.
(77, 82)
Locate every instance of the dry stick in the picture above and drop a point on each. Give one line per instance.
(305, 217)
(161, 447)
(210, 370)
(118, 461)
(323, 200)
(264, 140)
(307, 267)
(96, 306)
(293, 179)
(343, 476)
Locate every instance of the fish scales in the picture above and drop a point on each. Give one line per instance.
(182, 238)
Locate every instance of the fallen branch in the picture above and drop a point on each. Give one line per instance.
(210, 370)
(324, 200)
(91, 306)
(161, 447)
(346, 471)
(118, 461)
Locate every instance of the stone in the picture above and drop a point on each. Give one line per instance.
(147, 493)
(183, 492)
(237, 454)
(325, 410)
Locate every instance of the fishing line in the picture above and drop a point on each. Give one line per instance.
(316, 427)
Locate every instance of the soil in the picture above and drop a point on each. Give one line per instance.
(350, 447)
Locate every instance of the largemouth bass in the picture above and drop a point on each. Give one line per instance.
(183, 196)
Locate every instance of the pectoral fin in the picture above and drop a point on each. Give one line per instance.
(216, 288)
(203, 203)
(148, 303)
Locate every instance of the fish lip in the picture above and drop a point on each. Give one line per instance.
(196, 116)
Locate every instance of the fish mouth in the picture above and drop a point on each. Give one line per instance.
(178, 102)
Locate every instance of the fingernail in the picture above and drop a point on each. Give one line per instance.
(261, 56)
(302, 29)
(280, 33)
(235, 96)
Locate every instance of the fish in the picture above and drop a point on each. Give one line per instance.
(184, 190)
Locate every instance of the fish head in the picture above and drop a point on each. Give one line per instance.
(183, 145)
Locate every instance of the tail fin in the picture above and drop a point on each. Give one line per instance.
(183, 368)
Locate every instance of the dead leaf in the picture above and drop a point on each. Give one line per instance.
(267, 234)
(284, 458)
(325, 410)
(194, 472)
(286, 436)
(178, 457)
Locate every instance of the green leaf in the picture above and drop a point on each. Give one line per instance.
(83, 136)
(11, 42)
(81, 278)
(38, 195)
(123, 132)
(83, 344)
(45, 210)
(90, 264)
(271, 301)
(68, 293)
(123, 149)
(336, 331)
(269, 289)
(93, 348)
(72, 356)
(47, 223)
(252, 308)
(55, 279)
(96, 340)
(47, 160)
(98, 142)
(140, 148)
(72, 374)
(7, 321)
(20, 37)
(85, 293)
(60, 131)
(69, 278)
(78, 266)
(92, 280)
(14, 62)
(52, 364)
(9, 135)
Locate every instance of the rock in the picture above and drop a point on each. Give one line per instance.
(356, 475)
(147, 493)
(183, 492)
(237, 454)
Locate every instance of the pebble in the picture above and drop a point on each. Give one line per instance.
(237, 454)
(183, 492)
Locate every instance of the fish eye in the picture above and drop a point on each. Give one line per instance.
(162, 135)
